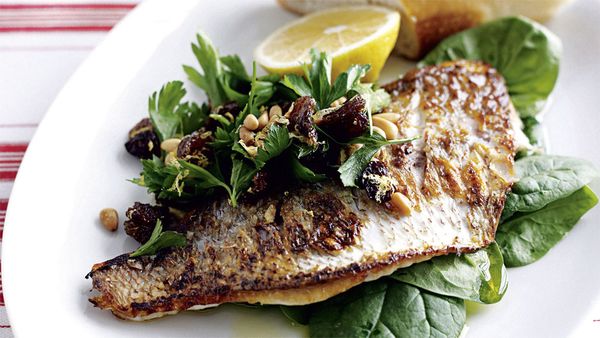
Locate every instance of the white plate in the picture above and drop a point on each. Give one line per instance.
(76, 165)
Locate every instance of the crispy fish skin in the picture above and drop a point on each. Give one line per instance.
(314, 242)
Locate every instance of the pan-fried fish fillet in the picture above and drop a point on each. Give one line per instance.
(314, 242)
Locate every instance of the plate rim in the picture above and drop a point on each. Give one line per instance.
(167, 15)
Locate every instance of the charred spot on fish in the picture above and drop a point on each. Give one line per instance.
(186, 278)
(348, 121)
(268, 239)
(401, 155)
(334, 226)
(299, 238)
(301, 119)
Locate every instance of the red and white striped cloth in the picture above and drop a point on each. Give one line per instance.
(41, 45)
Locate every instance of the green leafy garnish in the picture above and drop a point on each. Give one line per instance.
(317, 80)
(242, 173)
(182, 181)
(523, 51)
(386, 308)
(210, 80)
(303, 173)
(159, 240)
(297, 314)
(544, 179)
(479, 276)
(276, 142)
(527, 237)
(172, 118)
(532, 128)
(225, 78)
(354, 166)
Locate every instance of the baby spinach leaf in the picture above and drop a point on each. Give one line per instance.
(523, 51)
(479, 276)
(297, 314)
(544, 179)
(532, 128)
(159, 240)
(386, 308)
(527, 237)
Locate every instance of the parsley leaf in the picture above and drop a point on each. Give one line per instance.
(297, 84)
(317, 80)
(354, 166)
(242, 172)
(182, 181)
(209, 60)
(160, 240)
(244, 168)
(236, 67)
(303, 173)
(164, 181)
(169, 116)
(276, 142)
(204, 178)
(225, 78)
(347, 81)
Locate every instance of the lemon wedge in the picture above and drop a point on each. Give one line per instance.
(351, 35)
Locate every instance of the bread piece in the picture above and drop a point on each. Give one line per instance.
(426, 22)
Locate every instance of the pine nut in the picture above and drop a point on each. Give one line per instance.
(171, 159)
(392, 117)
(263, 120)
(287, 114)
(390, 129)
(338, 102)
(401, 203)
(275, 111)
(246, 136)
(379, 131)
(252, 150)
(170, 145)
(109, 218)
(251, 122)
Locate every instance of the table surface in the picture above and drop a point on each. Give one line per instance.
(41, 45)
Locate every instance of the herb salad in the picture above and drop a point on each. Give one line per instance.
(318, 128)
